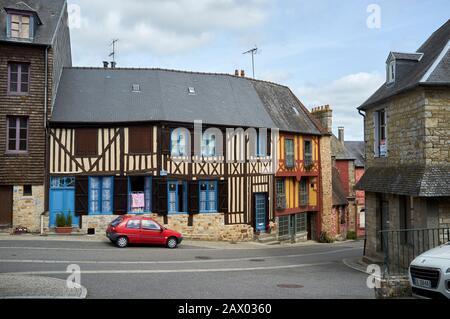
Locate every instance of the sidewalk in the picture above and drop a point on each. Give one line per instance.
(187, 242)
(34, 287)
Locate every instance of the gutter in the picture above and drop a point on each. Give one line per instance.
(46, 176)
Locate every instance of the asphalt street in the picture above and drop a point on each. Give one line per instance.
(193, 271)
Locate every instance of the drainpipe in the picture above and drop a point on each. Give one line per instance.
(365, 228)
(46, 140)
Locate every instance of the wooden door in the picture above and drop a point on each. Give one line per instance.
(6, 206)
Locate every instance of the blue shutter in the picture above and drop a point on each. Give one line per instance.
(8, 26)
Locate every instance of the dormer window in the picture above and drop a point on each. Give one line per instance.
(391, 72)
(20, 26)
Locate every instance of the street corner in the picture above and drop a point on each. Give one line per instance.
(13, 286)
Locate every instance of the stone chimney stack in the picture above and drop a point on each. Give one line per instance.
(324, 114)
(341, 135)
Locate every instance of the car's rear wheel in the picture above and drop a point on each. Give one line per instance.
(172, 243)
(122, 242)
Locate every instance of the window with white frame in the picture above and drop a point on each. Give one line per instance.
(20, 26)
(100, 195)
(179, 142)
(208, 196)
(391, 72)
(261, 144)
(209, 145)
(289, 153)
(177, 197)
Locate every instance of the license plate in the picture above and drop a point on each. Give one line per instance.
(422, 283)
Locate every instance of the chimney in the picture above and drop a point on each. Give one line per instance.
(113, 65)
(236, 72)
(243, 73)
(324, 114)
(105, 64)
(341, 134)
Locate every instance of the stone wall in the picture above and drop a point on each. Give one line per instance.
(405, 130)
(208, 227)
(205, 227)
(326, 211)
(27, 210)
(437, 127)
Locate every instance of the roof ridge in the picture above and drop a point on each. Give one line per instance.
(172, 70)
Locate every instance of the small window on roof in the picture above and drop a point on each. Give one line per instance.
(191, 90)
(136, 88)
(296, 111)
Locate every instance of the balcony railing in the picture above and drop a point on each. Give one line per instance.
(401, 247)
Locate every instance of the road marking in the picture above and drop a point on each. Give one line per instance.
(37, 261)
(163, 271)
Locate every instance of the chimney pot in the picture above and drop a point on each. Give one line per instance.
(105, 64)
(242, 73)
(236, 72)
(341, 134)
(113, 65)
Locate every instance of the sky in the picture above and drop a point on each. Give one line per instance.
(327, 51)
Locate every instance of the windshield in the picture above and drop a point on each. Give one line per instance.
(116, 221)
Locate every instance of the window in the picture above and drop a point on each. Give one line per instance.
(140, 194)
(17, 135)
(100, 195)
(289, 153)
(150, 225)
(179, 142)
(300, 223)
(261, 144)
(191, 90)
(140, 140)
(20, 26)
(281, 194)
(134, 224)
(209, 145)
(86, 142)
(177, 197)
(62, 182)
(18, 78)
(391, 72)
(208, 197)
(283, 226)
(380, 138)
(304, 192)
(308, 153)
(116, 222)
(27, 190)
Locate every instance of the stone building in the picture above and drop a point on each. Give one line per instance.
(347, 162)
(34, 48)
(407, 136)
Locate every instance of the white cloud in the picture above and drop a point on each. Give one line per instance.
(344, 95)
(160, 27)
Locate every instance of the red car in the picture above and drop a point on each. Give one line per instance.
(128, 229)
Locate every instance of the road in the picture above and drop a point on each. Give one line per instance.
(193, 271)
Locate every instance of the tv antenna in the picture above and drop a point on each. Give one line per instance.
(113, 53)
(252, 52)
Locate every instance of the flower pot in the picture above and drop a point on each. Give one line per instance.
(63, 230)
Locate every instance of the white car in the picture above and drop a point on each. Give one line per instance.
(429, 274)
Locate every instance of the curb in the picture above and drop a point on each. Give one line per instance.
(350, 265)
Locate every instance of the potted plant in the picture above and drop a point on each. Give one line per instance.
(63, 224)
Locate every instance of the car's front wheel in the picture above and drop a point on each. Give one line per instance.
(172, 243)
(122, 242)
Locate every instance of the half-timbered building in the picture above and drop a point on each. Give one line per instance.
(123, 141)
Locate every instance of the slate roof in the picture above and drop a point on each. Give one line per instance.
(49, 13)
(420, 181)
(407, 56)
(99, 95)
(339, 197)
(358, 150)
(412, 72)
(339, 151)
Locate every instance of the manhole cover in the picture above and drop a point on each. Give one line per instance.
(202, 257)
(290, 286)
(257, 260)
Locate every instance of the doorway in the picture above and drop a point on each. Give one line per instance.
(261, 212)
(62, 199)
(6, 206)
